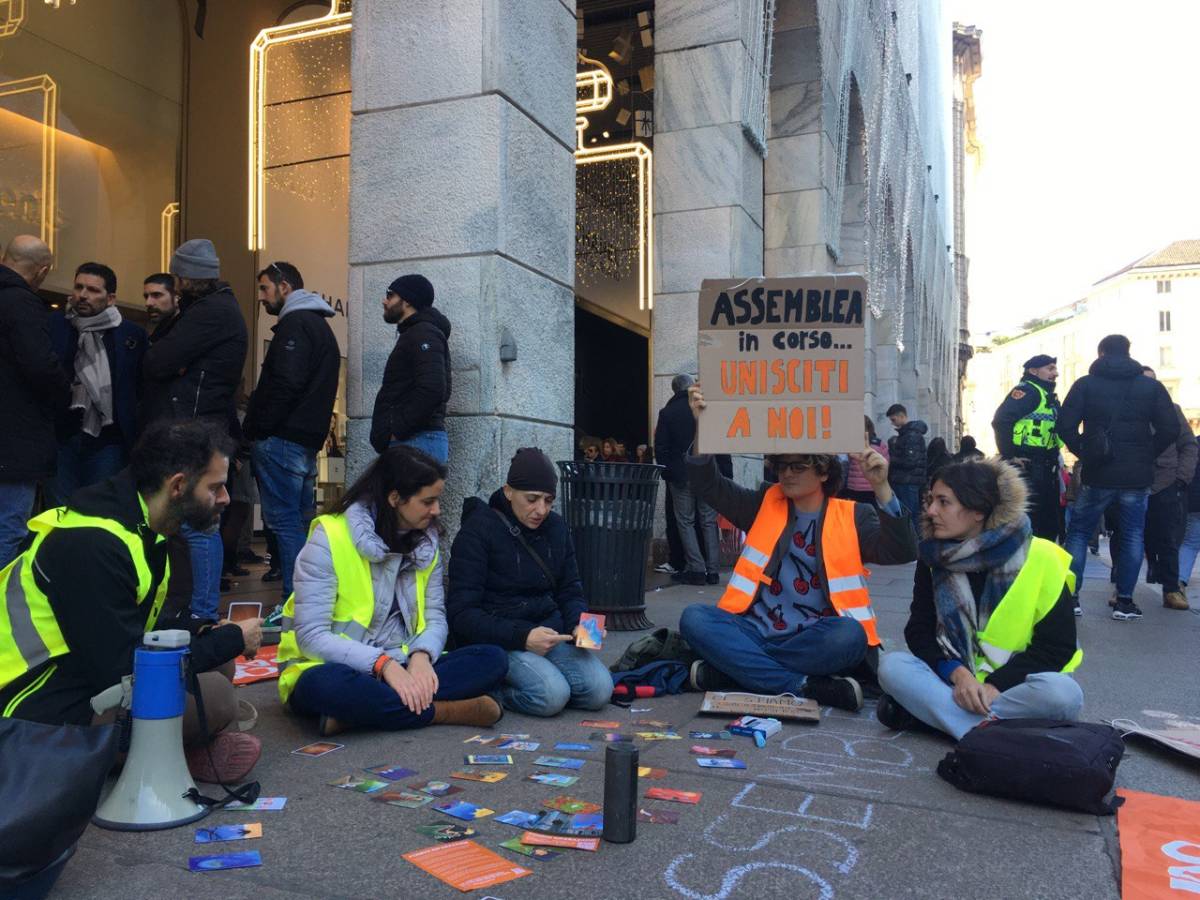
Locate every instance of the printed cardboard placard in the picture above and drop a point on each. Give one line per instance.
(735, 703)
(465, 865)
(782, 364)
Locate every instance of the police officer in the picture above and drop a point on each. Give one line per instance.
(1026, 431)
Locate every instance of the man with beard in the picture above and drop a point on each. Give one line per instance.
(410, 407)
(102, 354)
(288, 417)
(94, 580)
(162, 303)
(192, 372)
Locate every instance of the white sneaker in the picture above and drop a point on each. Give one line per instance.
(666, 568)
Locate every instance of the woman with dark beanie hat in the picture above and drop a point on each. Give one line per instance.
(514, 583)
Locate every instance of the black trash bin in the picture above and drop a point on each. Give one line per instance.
(609, 508)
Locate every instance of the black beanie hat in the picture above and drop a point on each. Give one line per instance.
(416, 289)
(531, 470)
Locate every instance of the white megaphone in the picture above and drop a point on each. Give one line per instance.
(153, 788)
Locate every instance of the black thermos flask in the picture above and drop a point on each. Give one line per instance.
(620, 792)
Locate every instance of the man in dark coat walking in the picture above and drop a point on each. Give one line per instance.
(102, 354)
(1127, 420)
(907, 458)
(32, 383)
(191, 372)
(410, 407)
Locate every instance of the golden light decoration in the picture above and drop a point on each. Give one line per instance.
(12, 14)
(333, 22)
(55, 4)
(45, 85)
(170, 218)
(600, 238)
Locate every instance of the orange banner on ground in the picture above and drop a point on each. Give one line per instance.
(1160, 846)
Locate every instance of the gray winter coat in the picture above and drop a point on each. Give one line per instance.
(1177, 462)
(393, 576)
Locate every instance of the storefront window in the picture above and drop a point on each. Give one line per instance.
(91, 100)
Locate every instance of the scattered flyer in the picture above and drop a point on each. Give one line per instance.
(320, 748)
(592, 637)
(436, 788)
(652, 773)
(406, 799)
(659, 736)
(444, 834)
(658, 724)
(602, 724)
(674, 795)
(576, 825)
(466, 865)
(554, 778)
(560, 840)
(361, 785)
(658, 816)
(711, 735)
(573, 748)
(559, 762)
(700, 750)
(484, 739)
(723, 763)
(245, 860)
(515, 845)
(528, 746)
(489, 759)
(486, 777)
(460, 809)
(221, 833)
(611, 737)
(518, 817)
(391, 773)
(273, 804)
(566, 804)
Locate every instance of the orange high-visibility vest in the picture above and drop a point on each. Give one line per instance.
(845, 582)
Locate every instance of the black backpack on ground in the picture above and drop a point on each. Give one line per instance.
(1067, 764)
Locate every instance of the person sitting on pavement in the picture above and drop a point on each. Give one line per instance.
(93, 580)
(796, 616)
(363, 633)
(992, 629)
(514, 582)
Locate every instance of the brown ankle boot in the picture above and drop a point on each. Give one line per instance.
(482, 712)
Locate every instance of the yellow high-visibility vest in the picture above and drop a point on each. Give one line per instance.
(29, 632)
(353, 607)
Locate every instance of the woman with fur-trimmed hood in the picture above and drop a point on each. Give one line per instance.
(992, 625)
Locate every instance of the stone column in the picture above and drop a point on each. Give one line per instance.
(462, 169)
(708, 179)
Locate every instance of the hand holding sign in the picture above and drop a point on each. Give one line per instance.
(875, 468)
(696, 400)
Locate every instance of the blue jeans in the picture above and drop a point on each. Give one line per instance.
(82, 461)
(919, 689)
(435, 443)
(567, 675)
(733, 644)
(287, 481)
(1131, 524)
(16, 503)
(358, 700)
(1190, 547)
(909, 496)
(207, 555)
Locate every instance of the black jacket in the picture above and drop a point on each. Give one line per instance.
(673, 438)
(1018, 403)
(125, 345)
(1193, 498)
(906, 454)
(416, 380)
(1141, 415)
(92, 586)
(193, 370)
(33, 385)
(498, 593)
(299, 380)
(1052, 646)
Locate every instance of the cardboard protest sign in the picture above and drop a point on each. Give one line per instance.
(782, 364)
(725, 703)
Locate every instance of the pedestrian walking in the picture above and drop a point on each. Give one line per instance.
(937, 457)
(102, 355)
(1190, 547)
(1026, 428)
(906, 463)
(1127, 421)
(967, 450)
(33, 384)
(289, 412)
(410, 407)
(858, 486)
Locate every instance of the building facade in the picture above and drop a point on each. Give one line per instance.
(1154, 301)
(566, 175)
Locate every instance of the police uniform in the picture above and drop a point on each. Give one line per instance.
(1025, 426)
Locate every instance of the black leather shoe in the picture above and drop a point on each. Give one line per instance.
(272, 575)
(894, 716)
(712, 578)
(236, 571)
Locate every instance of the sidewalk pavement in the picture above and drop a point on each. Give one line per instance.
(843, 809)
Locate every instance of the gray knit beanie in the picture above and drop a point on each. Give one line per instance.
(196, 259)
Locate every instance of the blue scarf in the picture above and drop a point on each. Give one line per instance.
(1000, 552)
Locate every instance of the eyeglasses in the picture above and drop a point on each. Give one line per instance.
(797, 468)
